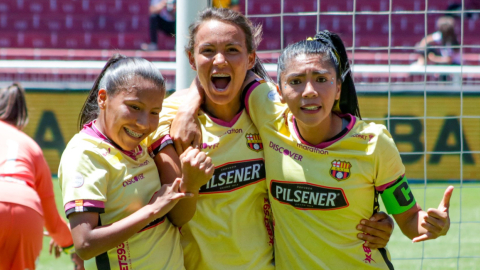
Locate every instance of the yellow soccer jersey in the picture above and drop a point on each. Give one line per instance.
(97, 177)
(231, 227)
(320, 193)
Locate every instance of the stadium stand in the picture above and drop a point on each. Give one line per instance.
(95, 29)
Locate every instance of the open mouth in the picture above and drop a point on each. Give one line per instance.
(221, 81)
(310, 108)
(133, 133)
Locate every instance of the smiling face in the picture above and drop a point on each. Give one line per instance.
(131, 114)
(221, 59)
(310, 87)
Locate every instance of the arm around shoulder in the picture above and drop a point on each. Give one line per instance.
(194, 169)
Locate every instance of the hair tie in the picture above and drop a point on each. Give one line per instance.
(338, 59)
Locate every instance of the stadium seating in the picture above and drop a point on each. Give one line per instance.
(123, 24)
(94, 29)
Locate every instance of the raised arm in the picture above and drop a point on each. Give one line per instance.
(185, 129)
(419, 225)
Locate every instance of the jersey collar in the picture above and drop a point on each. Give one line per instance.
(91, 130)
(352, 119)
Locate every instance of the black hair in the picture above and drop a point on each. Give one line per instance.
(331, 46)
(13, 106)
(116, 72)
(253, 33)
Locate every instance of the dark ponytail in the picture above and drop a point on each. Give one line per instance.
(332, 45)
(116, 72)
(348, 102)
(90, 109)
(13, 106)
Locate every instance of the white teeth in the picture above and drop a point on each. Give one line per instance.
(133, 133)
(221, 75)
(311, 108)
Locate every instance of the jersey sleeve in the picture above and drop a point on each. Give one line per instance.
(160, 138)
(262, 103)
(388, 163)
(83, 176)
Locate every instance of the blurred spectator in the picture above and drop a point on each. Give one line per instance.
(162, 16)
(27, 201)
(231, 4)
(439, 45)
(455, 9)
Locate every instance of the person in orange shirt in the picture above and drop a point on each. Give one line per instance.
(27, 201)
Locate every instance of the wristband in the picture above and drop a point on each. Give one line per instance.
(398, 198)
(69, 250)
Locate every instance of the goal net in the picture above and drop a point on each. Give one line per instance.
(427, 96)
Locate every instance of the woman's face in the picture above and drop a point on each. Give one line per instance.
(310, 88)
(221, 60)
(132, 113)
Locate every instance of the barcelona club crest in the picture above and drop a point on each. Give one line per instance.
(254, 142)
(340, 170)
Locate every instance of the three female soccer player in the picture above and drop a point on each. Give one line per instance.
(323, 170)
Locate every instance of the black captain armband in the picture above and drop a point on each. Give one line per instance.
(398, 197)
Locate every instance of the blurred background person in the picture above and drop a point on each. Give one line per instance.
(162, 17)
(439, 46)
(27, 201)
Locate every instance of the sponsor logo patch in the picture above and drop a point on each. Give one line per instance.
(233, 131)
(273, 96)
(285, 151)
(340, 170)
(133, 180)
(235, 175)
(307, 196)
(254, 142)
(368, 137)
(368, 254)
(78, 205)
(78, 180)
(209, 146)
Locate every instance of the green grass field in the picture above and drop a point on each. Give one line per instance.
(460, 249)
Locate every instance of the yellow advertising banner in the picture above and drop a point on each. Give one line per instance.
(425, 127)
(437, 134)
(53, 120)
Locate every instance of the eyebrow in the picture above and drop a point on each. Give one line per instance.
(228, 44)
(316, 72)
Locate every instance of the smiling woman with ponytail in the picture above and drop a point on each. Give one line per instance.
(121, 207)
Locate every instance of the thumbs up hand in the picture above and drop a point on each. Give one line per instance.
(436, 221)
